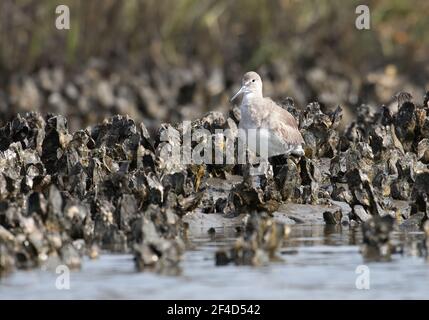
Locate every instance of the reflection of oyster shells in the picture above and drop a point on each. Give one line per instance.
(257, 246)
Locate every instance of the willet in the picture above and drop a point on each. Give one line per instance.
(275, 125)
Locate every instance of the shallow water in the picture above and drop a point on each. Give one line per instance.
(319, 262)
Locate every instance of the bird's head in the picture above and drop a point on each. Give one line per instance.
(251, 83)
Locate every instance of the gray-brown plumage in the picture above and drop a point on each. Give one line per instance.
(273, 123)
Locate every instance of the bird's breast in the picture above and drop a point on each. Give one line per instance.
(251, 116)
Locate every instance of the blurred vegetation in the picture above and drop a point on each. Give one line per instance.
(248, 33)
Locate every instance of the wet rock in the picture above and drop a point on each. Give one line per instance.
(405, 124)
(414, 222)
(163, 256)
(360, 213)
(70, 256)
(7, 260)
(150, 257)
(320, 136)
(303, 213)
(199, 223)
(345, 220)
(56, 139)
(258, 245)
(423, 151)
(363, 191)
(425, 244)
(288, 180)
(78, 221)
(157, 245)
(344, 207)
(376, 238)
(93, 252)
(403, 209)
(316, 186)
(127, 210)
(257, 190)
(421, 185)
(222, 258)
(216, 193)
(332, 217)
(213, 120)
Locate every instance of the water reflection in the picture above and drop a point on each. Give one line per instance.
(317, 262)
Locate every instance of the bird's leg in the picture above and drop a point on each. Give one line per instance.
(259, 166)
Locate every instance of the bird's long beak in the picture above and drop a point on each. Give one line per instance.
(237, 94)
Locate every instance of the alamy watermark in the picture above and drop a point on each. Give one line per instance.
(363, 278)
(62, 21)
(363, 20)
(225, 146)
(62, 282)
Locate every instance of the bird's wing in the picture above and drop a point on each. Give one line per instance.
(283, 123)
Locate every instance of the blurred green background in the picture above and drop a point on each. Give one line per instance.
(248, 32)
(312, 42)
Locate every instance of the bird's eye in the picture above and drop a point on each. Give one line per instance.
(253, 80)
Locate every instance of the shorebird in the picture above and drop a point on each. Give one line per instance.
(275, 125)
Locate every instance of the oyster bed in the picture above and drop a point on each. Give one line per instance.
(111, 187)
